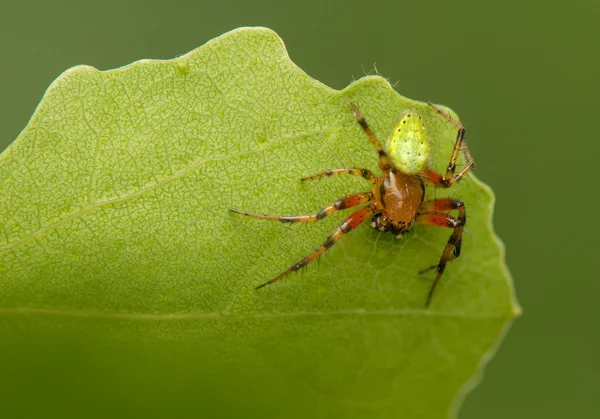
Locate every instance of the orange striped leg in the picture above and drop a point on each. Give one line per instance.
(347, 202)
(348, 225)
(450, 179)
(445, 204)
(365, 173)
(384, 161)
(453, 246)
(442, 205)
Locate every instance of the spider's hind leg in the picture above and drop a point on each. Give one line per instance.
(384, 161)
(349, 224)
(450, 178)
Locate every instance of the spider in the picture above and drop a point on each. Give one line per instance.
(396, 201)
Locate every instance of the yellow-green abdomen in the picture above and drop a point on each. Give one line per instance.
(408, 146)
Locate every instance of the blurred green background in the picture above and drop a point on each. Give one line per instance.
(522, 75)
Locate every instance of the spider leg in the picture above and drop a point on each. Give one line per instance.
(365, 173)
(348, 225)
(446, 204)
(384, 161)
(341, 204)
(432, 217)
(450, 178)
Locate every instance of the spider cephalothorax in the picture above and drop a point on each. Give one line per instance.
(396, 201)
(381, 223)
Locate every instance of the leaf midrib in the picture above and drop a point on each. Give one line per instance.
(195, 165)
(16, 311)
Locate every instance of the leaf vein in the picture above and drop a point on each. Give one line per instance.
(16, 311)
(156, 185)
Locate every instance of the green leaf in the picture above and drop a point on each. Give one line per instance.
(125, 281)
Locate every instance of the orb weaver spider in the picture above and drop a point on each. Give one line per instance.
(396, 201)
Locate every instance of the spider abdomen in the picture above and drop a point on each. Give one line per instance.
(408, 146)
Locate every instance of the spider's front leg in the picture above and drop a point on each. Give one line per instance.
(349, 224)
(450, 179)
(341, 204)
(431, 214)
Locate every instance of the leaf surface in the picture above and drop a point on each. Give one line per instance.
(119, 260)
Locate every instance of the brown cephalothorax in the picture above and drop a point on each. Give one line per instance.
(395, 202)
